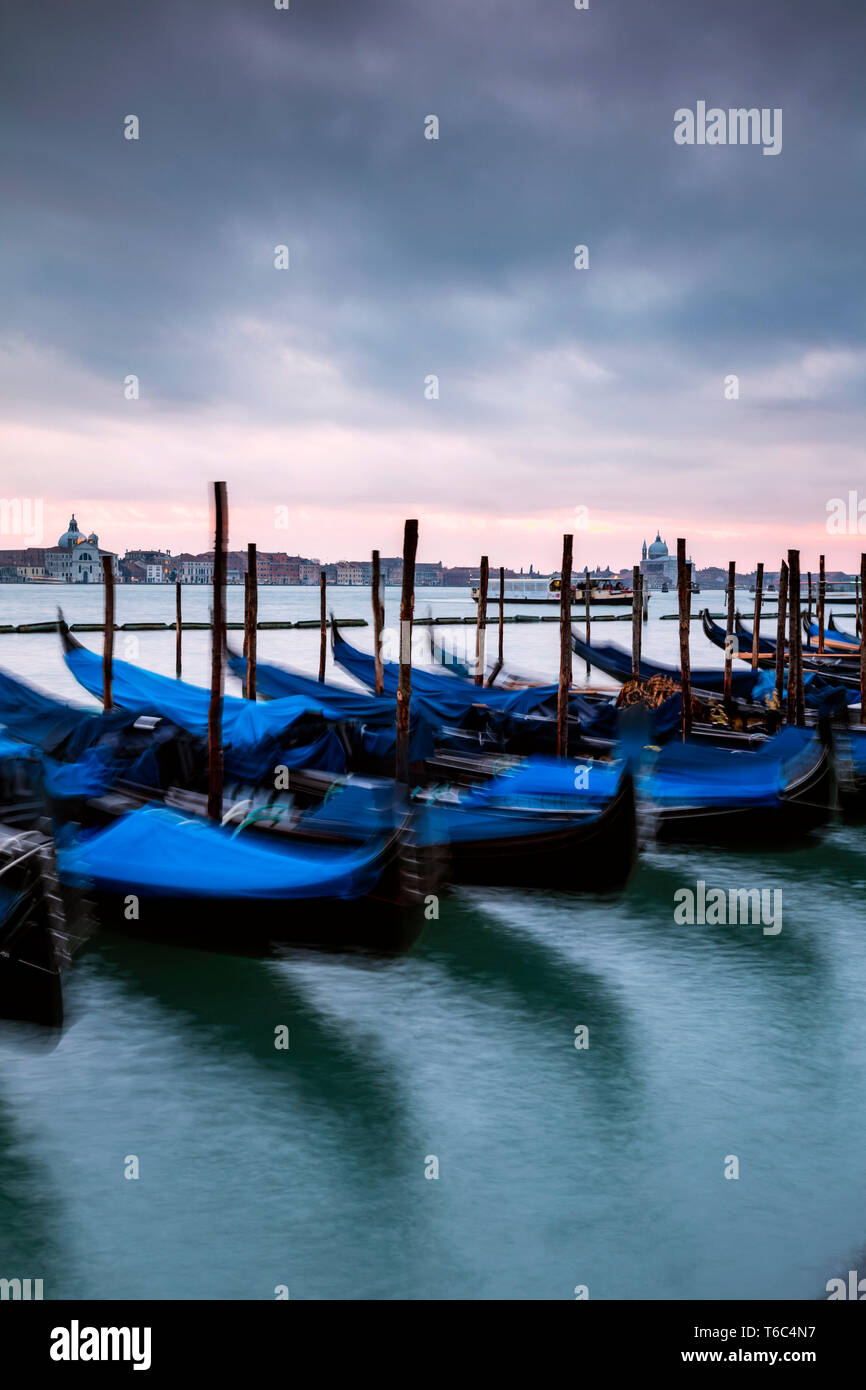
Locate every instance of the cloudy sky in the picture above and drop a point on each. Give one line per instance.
(567, 398)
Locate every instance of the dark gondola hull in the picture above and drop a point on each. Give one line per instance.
(806, 805)
(387, 918)
(378, 924)
(30, 981)
(616, 662)
(838, 670)
(30, 967)
(597, 854)
(740, 639)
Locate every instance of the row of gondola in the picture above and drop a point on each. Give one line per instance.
(838, 666)
(318, 844)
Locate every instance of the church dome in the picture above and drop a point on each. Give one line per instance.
(658, 550)
(72, 536)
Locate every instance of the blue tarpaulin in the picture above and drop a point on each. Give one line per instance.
(155, 852)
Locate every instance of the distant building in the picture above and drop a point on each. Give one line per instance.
(196, 569)
(309, 571)
(19, 566)
(349, 572)
(148, 567)
(76, 558)
(658, 567)
(426, 575)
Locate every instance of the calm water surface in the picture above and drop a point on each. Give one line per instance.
(556, 1167)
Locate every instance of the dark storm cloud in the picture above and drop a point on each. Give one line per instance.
(412, 256)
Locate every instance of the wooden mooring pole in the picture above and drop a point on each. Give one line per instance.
(565, 649)
(862, 647)
(586, 603)
(323, 623)
(178, 624)
(108, 641)
(481, 625)
(500, 657)
(252, 620)
(809, 596)
(780, 637)
(378, 619)
(218, 637)
(756, 625)
(636, 610)
(404, 685)
(822, 593)
(795, 641)
(729, 630)
(684, 594)
(858, 605)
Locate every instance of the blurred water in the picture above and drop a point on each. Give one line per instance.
(558, 1167)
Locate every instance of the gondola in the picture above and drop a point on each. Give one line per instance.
(849, 745)
(833, 626)
(834, 638)
(256, 736)
(452, 699)
(451, 712)
(689, 791)
(519, 845)
(822, 674)
(741, 640)
(779, 793)
(616, 662)
(22, 799)
(31, 930)
(158, 872)
(515, 830)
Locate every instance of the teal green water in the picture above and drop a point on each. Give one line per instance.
(557, 1167)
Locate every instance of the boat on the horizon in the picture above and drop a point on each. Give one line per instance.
(604, 592)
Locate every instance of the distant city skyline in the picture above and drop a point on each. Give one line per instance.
(284, 545)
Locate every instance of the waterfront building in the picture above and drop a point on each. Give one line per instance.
(659, 567)
(19, 566)
(77, 558)
(196, 569)
(148, 566)
(309, 571)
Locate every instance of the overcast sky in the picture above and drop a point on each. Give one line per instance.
(559, 389)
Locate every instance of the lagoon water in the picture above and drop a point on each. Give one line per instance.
(557, 1167)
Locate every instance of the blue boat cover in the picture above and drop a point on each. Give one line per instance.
(616, 662)
(11, 751)
(46, 723)
(820, 694)
(253, 732)
(155, 852)
(93, 774)
(696, 774)
(550, 783)
(277, 682)
(834, 635)
(458, 823)
(450, 697)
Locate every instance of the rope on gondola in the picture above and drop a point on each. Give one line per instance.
(652, 694)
